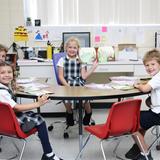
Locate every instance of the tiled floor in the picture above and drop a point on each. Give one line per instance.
(68, 148)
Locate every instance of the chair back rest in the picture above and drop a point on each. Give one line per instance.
(123, 117)
(56, 58)
(9, 124)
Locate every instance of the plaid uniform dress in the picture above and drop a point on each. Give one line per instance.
(25, 117)
(72, 72)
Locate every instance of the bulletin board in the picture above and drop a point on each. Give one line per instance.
(100, 35)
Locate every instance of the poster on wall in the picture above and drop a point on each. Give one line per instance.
(41, 35)
(47, 34)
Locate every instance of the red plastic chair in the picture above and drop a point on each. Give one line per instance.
(10, 126)
(123, 119)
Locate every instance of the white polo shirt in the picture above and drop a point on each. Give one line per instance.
(155, 92)
(6, 97)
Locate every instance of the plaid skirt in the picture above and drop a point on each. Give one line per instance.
(24, 117)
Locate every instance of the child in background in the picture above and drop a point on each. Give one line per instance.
(3, 52)
(7, 96)
(149, 117)
(73, 73)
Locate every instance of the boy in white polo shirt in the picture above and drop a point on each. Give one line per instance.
(151, 117)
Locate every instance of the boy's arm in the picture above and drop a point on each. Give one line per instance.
(143, 87)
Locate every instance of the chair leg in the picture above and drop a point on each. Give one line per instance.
(157, 135)
(102, 149)
(14, 156)
(0, 143)
(85, 143)
(115, 149)
(142, 148)
(22, 151)
(153, 143)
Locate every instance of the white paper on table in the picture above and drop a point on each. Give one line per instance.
(34, 86)
(124, 80)
(38, 92)
(98, 86)
(25, 80)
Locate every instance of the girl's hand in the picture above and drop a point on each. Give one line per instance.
(43, 99)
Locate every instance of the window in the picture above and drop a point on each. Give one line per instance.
(95, 12)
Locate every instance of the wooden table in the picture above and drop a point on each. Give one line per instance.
(83, 93)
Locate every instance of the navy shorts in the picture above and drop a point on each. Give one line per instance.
(149, 119)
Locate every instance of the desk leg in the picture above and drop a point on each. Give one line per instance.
(80, 126)
(38, 109)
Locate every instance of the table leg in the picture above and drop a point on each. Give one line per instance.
(38, 109)
(80, 126)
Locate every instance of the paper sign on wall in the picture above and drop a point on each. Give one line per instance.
(97, 38)
(104, 29)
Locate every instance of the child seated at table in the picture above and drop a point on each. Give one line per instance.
(23, 113)
(151, 117)
(73, 73)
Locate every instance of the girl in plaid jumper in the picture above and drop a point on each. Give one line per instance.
(73, 73)
(23, 113)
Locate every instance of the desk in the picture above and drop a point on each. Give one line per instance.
(31, 69)
(83, 93)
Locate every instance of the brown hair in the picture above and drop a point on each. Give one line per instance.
(13, 83)
(3, 48)
(152, 55)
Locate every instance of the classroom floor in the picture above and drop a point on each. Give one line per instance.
(68, 148)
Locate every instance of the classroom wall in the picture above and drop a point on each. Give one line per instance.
(12, 15)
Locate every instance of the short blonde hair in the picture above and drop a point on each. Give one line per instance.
(152, 55)
(71, 39)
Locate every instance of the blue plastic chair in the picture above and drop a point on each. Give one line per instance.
(56, 57)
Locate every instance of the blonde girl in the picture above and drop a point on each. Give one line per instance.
(72, 72)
